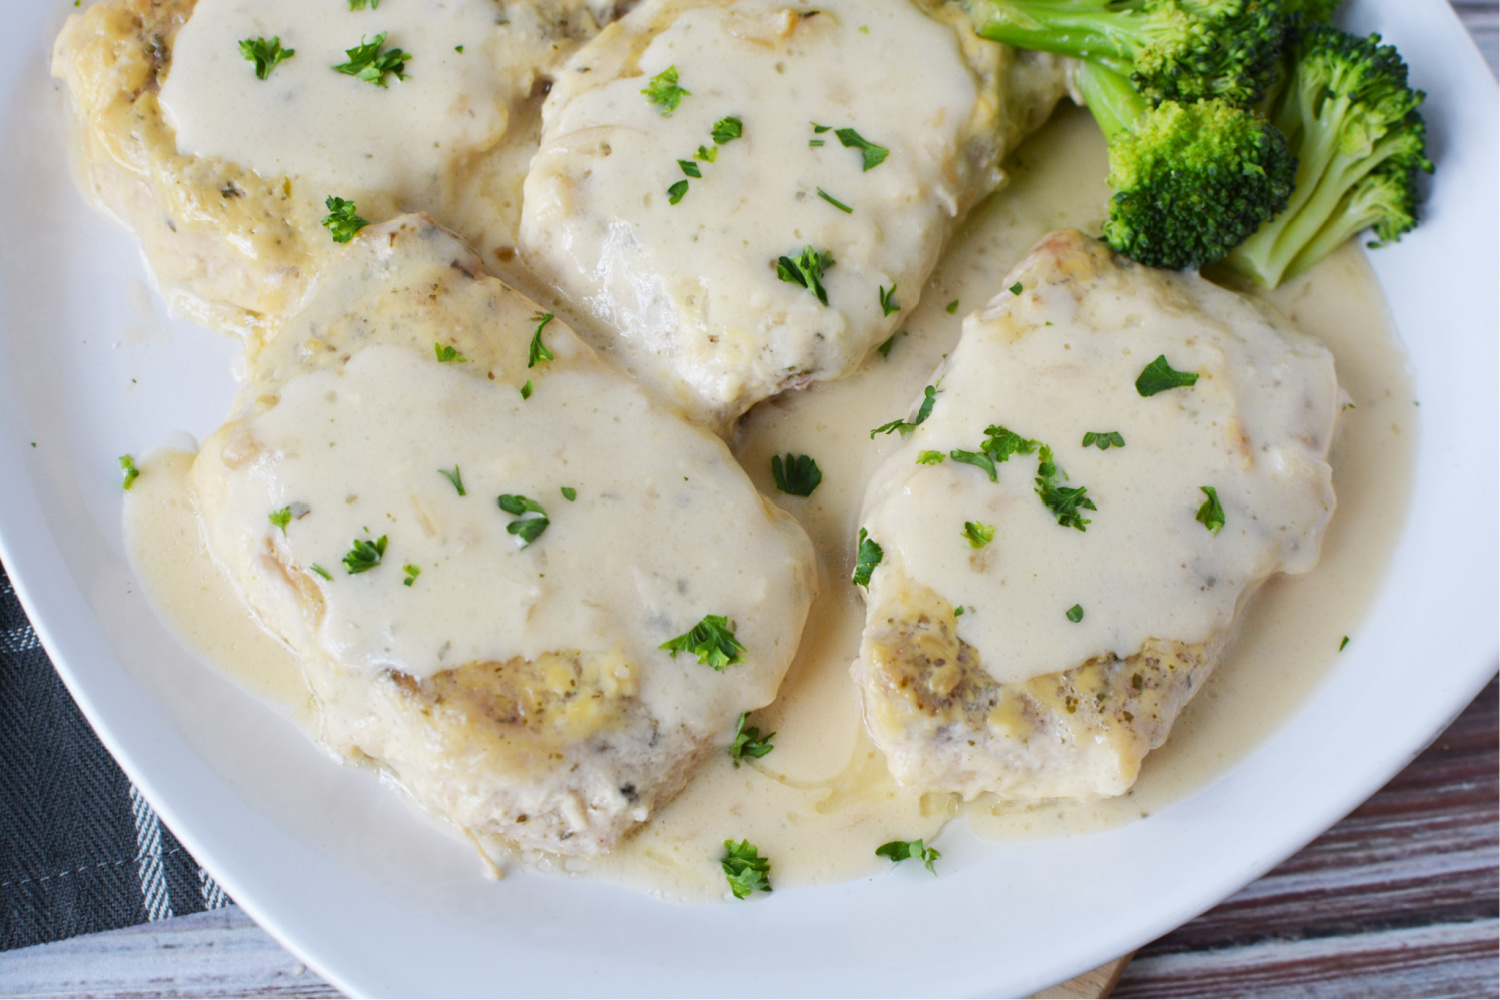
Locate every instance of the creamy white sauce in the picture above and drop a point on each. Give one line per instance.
(341, 134)
(819, 802)
(692, 287)
(1061, 359)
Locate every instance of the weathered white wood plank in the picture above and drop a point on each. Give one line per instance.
(220, 953)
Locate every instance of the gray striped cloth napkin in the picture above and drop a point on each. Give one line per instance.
(83, 849)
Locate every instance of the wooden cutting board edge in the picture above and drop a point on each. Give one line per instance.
(1092, 985)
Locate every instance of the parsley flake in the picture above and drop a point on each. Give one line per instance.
(748, 742)
(321, 572)
(1001, 443)
(1211, 514)
(888, 303)
(806, 270)
(951, 307)
(281, 519)
(930, 458)
(866, 559)
(412, 572)
(342, 221)
(900, 850)
(526, 389)
(874, 155)
(745, 869)
(835, 202)
(1104, 440)
(690, 168)
(663, 90)
(885, 348)
(712, 641)
(799, 475)
(1159, 376)
(363, 4)
(978, 459)
(1075, 614)
(979, 535)
(1064, 502)
(447, 353)
(708, 154)
(727, 130)
(364, 556)
(456, 478)
(677, 192)
(569, 494)
(1017, 288)
(905, 427)
(526, 528)
(265, 55)
(1344, 643)
(539, 351)
(368, 63)
(958, 611)
(127, 465)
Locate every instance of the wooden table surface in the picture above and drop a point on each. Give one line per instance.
(1400, 899)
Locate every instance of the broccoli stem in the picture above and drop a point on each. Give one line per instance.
(1111, 97)
(1083, 29)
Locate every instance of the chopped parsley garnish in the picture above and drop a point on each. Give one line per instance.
(708, 154)
(569, 494)
(539, 351)
(677, 192)
(930, 458)
(1075, 614)
(365, 555)
(900, 850)
(888, 303)
(1064, 502)
(663, 91)
(526, 389)
(321, 572)
(281, 519)
(266, 55)
(362, 4)
(1159, 376)
(835, 202)
(958, 611)
(690, 168)
(979, 535)
(447, 353)
(745, 869)
(127, 465)
(1211, 514)
(368, 63)
(1017, 288)
(459, 49)
(727, 130)
(905, 427)
(951, 307)
(456, 478)
(412, 572)
(1344, 643)
(799, 475)
(1001, 443)
(866, 559)
(978, 459)
(527, 528)
(342, 221)
(820, 129)
(1104, 440)
(885, 348)
(806, 269)
(874, 155)
(748, 742)
(815, 143)
(711, 641)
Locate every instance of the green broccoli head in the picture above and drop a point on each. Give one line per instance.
(1313, 10)
(1179, 50)
(1191, 180)
(1353, 123)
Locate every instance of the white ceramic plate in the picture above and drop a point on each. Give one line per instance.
(381, 902)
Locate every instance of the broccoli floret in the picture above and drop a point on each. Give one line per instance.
(1313, 10)
(1190, 180)
(1352, 121)
(1178, 50)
